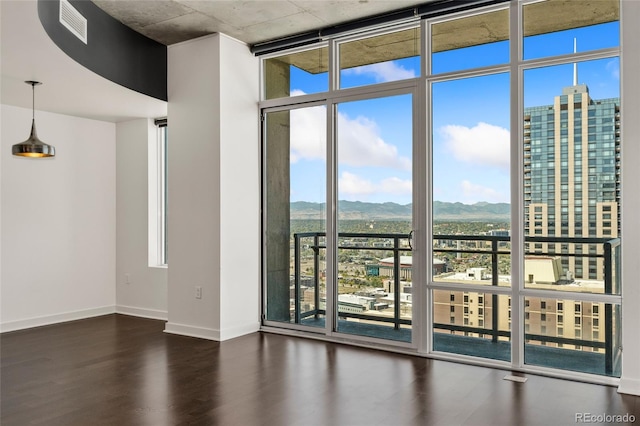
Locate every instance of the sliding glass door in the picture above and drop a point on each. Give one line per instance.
(363, 270)
(374, 217)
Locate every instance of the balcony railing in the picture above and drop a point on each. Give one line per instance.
(396, 320)
(494, 247)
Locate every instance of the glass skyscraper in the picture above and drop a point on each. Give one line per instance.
(571, 176)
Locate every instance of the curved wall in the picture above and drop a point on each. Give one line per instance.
(113, 50)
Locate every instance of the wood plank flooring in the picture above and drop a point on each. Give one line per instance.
(121, 370)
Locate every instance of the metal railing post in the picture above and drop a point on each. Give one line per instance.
(608, 311)
(296, 277)
(396, 283)
(608, 268)
(316, 274)
(494, 282)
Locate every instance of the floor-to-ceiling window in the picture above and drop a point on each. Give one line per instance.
(571, 187)
(451, 185)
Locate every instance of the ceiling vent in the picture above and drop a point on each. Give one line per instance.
(73, 20)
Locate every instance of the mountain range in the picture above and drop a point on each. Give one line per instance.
(393, 211)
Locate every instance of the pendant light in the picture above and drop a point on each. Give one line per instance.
(33, 147)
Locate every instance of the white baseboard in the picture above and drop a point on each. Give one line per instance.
(141, 312)
(629, 386)
(192, 331)
(55, 319)
(210, 333)
(237, 331)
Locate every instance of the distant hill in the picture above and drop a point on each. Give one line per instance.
(477, 211)
(393, 211)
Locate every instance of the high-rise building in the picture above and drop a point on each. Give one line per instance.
(571, 176)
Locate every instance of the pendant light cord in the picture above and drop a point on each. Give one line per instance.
(33, 101)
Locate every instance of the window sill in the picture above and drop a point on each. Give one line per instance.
(159, 266)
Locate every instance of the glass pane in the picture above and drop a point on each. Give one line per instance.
(374, 217)
(295, 193)
(471, 42)
(572, 176)
(474, 324)
(389, 57)
(471, 190)
(573, 335)
(296, 74)
(593, 25)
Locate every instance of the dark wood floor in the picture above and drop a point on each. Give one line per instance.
(120, 370)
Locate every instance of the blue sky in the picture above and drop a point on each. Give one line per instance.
(470, 122)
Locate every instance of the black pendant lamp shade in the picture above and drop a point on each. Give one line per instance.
(33, 147)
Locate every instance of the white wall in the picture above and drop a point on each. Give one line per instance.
(239, 190)
(213, 188)
(630, 111)
(57, 221)
(146, 292)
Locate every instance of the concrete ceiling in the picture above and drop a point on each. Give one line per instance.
(252, 21)
(69, 88)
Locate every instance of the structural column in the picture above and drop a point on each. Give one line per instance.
(214, 189)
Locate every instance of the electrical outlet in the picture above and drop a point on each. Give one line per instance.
(198, 292)
(127, 278)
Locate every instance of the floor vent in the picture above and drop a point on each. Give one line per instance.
(73, 20)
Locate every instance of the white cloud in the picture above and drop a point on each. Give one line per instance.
(484, 144)
(383, 71)
(352, 186)
(394, 185)
(360, 145)
(359, 140)
(308, 133)
(474, 193)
